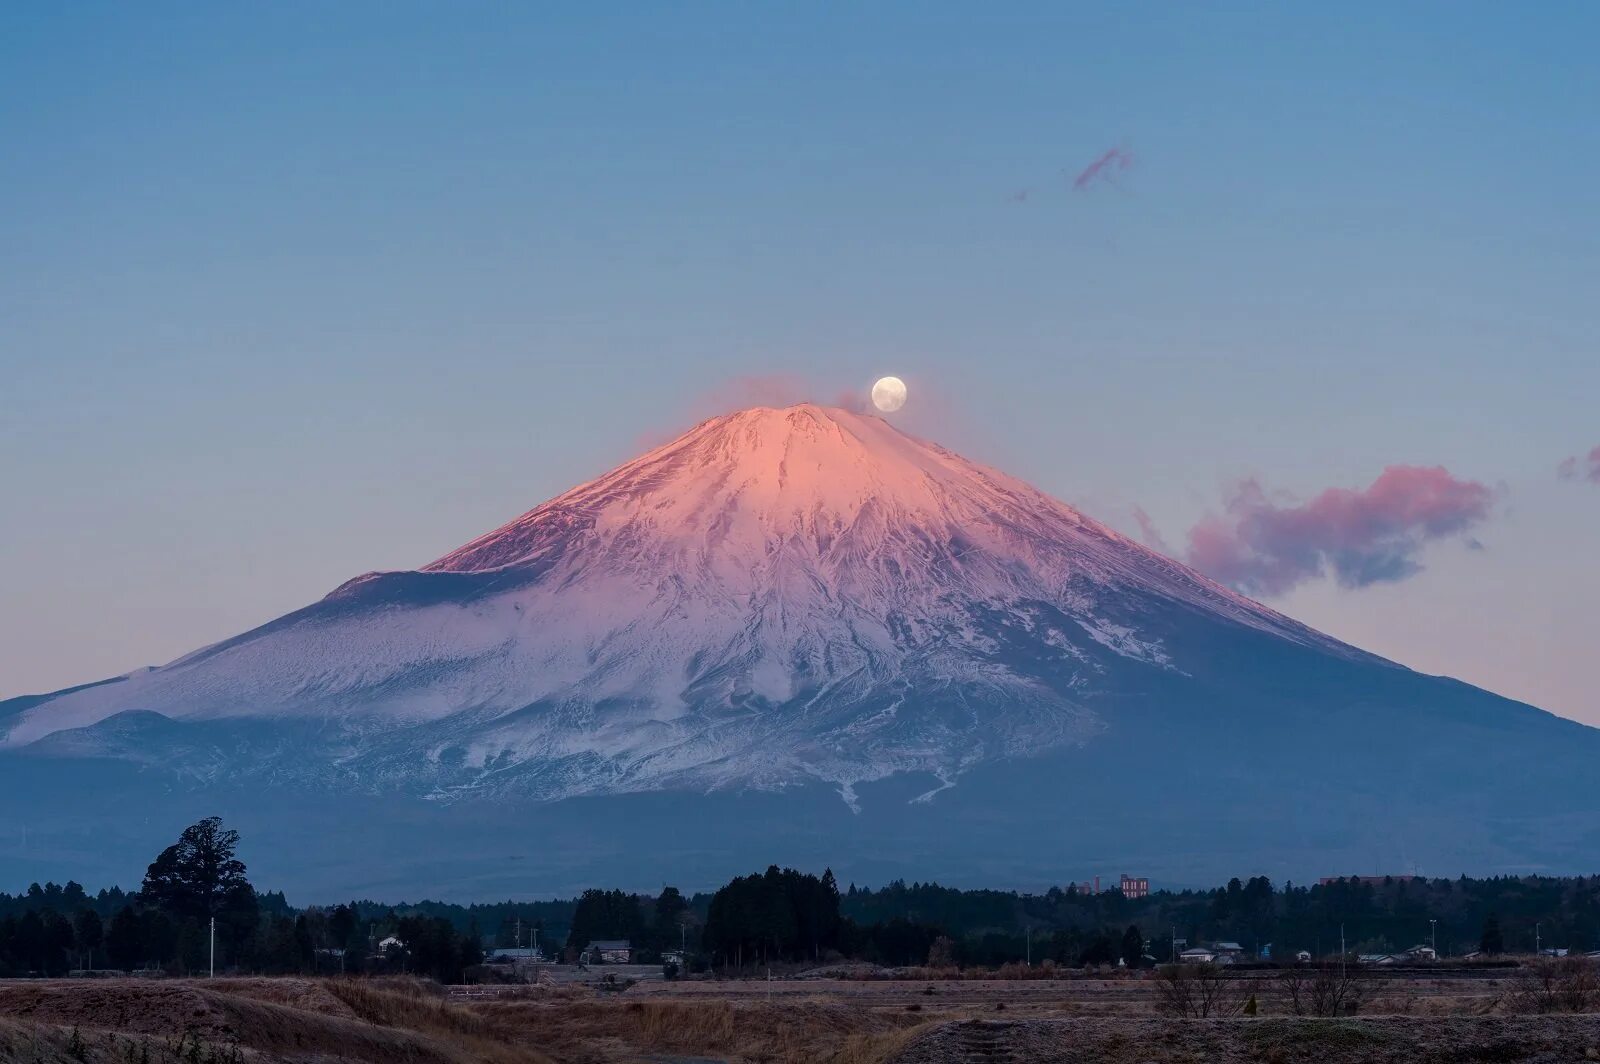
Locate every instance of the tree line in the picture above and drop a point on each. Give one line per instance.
(196, 908)
(776, 916)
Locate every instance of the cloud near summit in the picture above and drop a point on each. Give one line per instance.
(1265, 544)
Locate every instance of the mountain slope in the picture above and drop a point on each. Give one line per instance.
(781, 599)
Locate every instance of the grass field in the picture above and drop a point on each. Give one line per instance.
(1412, 1017)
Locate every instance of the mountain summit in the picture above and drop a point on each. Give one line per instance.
(775, 595)
(785, 599)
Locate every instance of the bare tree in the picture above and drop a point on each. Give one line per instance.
(1565, 984)
(1199, 990)
(1324, 990)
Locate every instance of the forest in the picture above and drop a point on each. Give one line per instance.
(777, 916)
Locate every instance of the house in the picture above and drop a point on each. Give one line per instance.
(1304, 956)
(390, 943)
(1419, 953)
(513, 954)
(1227, 952)
(1134, 888)
(1552, 952)
(1379, 960)
(1197, 955)
(609, 951)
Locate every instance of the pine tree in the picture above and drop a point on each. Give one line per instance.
(1132, 946)
(1492, 941)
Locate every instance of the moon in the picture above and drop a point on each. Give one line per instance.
(889, 394)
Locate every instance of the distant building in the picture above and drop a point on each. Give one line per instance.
(1197, 955)
(1135, 888)
(609, 951)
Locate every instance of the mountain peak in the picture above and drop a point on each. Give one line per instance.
(776, 594)
(767, 473)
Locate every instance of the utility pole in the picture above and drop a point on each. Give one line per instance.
(213, 948)
(1433, 929)
(1027, 938)
(1536, 939)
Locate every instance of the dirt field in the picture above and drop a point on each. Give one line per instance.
(1412, 1017)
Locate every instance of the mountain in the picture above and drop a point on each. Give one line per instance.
(801, 629)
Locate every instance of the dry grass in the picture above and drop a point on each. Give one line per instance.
(806, 1031)
(816, 1021)
(343, 1020)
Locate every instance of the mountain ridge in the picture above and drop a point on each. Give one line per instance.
(807, 601)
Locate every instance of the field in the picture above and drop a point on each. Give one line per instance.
(1424, 1016)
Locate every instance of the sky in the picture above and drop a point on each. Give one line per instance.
(1303, 293)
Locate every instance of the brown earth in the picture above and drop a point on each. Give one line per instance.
(1375, 1040)
(1422, 1018)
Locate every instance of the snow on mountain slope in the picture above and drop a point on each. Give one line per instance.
(778, 594)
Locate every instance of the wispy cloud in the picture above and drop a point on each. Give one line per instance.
(1149, 533)
(1267, 545)
(1581, 467)
(1105, 169)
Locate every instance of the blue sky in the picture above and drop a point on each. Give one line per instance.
(292, 292)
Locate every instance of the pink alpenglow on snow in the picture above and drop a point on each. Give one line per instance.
(1104, 169)
(1262, 546)
(1584, 467)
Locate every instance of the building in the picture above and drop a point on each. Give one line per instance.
(609, 951)
(1135, 888)
(1197, 955)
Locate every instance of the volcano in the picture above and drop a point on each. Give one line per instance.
(811, 635)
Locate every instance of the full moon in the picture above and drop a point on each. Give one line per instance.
(889, 394)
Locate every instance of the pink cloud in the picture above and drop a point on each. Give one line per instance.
(1149, 532)
(1112, 162)
(1266, 545)
(1584, 467)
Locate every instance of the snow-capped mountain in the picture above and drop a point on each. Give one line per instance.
(787, 600)
(775, 595)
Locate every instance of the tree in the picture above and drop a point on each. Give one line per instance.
(198, 876)
(125, 939)
(1099, 951)
(605, 914)
(1326, 990)
(671, 919)
(1566, 984)
(1492, 941)
(89, 933)
(1199, 991)
(1132, 946)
